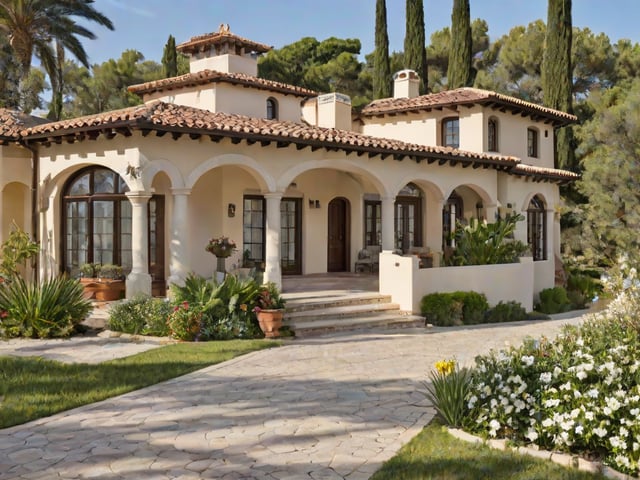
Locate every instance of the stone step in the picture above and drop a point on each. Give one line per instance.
(324, 300)
(342, 311)
(396, 319)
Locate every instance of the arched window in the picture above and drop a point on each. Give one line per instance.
(97, 220)
(272, 109)
(451, 132)
(532, 142)
(537, 228)
(492, 135)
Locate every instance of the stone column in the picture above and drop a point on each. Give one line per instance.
(178, 248)
(272, 270)
(388, 223)
(139, 280)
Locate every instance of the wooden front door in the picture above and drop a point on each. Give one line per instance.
(338, 234)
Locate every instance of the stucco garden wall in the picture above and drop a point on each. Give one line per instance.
(401, 278)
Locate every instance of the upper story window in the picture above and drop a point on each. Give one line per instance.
(272, 109)
(451, 132)
(492, 135)
(532, 142)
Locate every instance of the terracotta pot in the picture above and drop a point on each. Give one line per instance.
(270, 322)
(104, 291)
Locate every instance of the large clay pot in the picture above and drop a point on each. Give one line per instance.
(102, 290)
(270, 322)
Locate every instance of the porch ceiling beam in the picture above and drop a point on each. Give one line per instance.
(109, 134)
(281, 144)
(145, 131)
(301, 146)
(384, 155)
(194, 136)
(236, 140)
(126, 131)
(315, 147)
(215, 138)
(93, 135)
(398, 156)
(176, 135)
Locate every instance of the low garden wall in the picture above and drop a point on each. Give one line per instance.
(402, 278)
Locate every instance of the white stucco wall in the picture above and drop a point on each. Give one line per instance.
(401, 278)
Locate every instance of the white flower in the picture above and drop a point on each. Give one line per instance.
(623, 432)
(601, 432)
(472, 401)
(552, 402)
(532, 435)
(589, 415)
(579, 429)
(622, 460)
(612, 403)
(593, 393)
(527, 360)
(494, 426)
(581, 375)
(545, 377)
(547, 422)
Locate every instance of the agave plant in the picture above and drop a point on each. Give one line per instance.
(51, 309)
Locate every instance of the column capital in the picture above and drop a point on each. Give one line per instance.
(181, 191)
(138, 197)
(277, 195)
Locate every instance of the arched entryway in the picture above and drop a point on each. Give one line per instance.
(339, 241)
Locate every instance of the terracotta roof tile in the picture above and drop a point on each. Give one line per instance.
(205, 77)
(221, 37)
(162, 116)
(543, 172)
(462, 96)
(13, 122)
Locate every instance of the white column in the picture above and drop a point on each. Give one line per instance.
(139, 280)
(388, 223)
(178, 248)
(272, 270)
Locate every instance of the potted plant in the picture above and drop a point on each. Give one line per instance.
(270, 309)
(102, 282)
(222, 248)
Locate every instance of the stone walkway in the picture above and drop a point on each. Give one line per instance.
(333, 407)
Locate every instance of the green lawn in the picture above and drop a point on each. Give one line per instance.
(436, 455)
(32, 388)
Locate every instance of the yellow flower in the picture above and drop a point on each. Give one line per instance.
(243, 307)
(445, 367)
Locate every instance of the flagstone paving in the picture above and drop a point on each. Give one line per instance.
(334, 407)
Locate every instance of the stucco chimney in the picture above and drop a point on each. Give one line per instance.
(406, 84)
(334, 111)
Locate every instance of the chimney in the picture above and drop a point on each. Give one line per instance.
(406, 84)
(334, 111)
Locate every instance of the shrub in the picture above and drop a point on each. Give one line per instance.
(448, 391)
(581, 289)
(142, 314)
(483, 243)
(15, 251)
(225, 309)
(474, 306)
(441, 309)
(553, 300)
(51, 309)
(506, 312)
(457, 308)
(185, 321)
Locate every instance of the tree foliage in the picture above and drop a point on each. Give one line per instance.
(459, 72)
(415, 52)
(382, 72)
(557, 75)
(170, 58)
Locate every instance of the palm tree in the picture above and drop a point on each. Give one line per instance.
(32, 26)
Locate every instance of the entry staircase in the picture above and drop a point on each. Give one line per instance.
(321, 312)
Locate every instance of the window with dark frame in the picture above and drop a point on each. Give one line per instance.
(451, 132)
(492, 135)
(532, 142)
(253, 228)
(372, 222)
(452, 213)
(272, 109)
(537, 228)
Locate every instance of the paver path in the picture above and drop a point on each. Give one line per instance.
(324, 408)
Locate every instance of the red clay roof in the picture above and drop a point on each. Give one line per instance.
(13, 122)
(163, 116)
(464, 96)
(205, 77)
(221, 37)
(181, 120)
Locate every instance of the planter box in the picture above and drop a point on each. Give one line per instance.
(103, 290)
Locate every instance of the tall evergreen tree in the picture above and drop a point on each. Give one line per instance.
(415, 51)
(460, 73)
(381, 69)
(170, 58)
(557, 75)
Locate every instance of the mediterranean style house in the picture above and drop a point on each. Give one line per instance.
(298, 180)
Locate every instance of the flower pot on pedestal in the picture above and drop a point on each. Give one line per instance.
(270, 322)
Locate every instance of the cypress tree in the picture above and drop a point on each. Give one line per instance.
(557, 75)
(415, 52)
(459, 73)
(381, 68)
(170, 58)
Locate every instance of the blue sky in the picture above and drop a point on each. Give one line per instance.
(145, 25)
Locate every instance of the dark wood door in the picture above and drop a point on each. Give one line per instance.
(338, 232)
